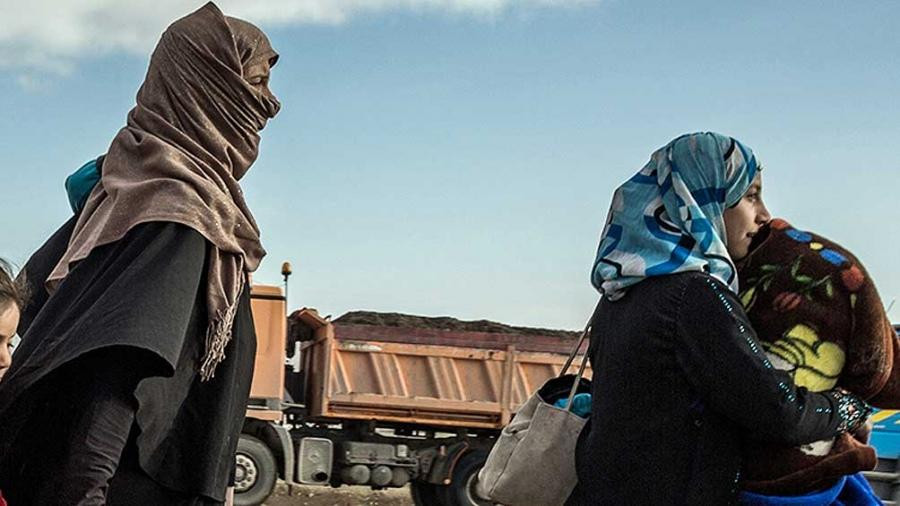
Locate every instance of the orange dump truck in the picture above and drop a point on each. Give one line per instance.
(382, 405)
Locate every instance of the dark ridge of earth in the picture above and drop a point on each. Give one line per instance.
(445, 323)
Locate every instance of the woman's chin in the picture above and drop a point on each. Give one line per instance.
(759, 238)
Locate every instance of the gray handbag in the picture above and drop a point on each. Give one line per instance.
(533, 461)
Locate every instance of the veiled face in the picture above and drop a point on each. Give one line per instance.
(257, 58)
(257, 75)
(208, 84)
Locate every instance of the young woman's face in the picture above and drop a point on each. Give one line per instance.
(9, 320)
(744, 220)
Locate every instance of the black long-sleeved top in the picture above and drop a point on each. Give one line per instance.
(678, 378)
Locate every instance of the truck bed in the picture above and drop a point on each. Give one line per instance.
(435, 377)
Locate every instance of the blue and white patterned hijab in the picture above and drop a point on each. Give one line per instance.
(668, 217)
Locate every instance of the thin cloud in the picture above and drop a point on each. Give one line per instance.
(51, 36)
(31, 83)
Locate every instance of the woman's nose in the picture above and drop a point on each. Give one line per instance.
(764, 216)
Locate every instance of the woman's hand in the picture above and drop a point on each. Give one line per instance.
(864, 433)
(853, 411)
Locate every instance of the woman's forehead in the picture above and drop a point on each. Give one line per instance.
(251, 43)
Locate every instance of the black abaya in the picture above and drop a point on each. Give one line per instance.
(133, 313)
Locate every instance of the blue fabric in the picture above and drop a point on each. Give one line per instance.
(80, 184)
(852, 490)
(581, 404)
(668, 217)
(822, 498)
(858, 492)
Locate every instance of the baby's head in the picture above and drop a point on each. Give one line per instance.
(12, 299)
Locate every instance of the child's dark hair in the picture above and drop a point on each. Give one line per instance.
(11, 289)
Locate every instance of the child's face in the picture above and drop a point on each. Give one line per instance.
(9, 320)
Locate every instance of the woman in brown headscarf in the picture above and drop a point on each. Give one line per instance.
(133, 374)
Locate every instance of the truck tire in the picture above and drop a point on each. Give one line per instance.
(255, 472)
(424, 494)
(461, 490)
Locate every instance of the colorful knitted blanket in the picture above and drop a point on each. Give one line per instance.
(818, 315)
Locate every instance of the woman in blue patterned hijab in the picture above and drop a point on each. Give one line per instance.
(668, 218)
(680, 380)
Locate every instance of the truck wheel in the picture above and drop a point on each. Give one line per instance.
(461, 490)
(424, 494)
(254, 472)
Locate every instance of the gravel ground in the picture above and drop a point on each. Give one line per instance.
(297, 495)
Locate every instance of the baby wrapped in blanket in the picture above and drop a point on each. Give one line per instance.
(819, 316)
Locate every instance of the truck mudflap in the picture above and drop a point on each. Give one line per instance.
(287, 448)
(437, 464)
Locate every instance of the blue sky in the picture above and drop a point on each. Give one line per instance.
(453, 157)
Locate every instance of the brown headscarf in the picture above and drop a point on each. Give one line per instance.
(192, 135)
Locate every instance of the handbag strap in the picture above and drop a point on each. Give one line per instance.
(574, 353)
(584, 359)
(584, 334)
